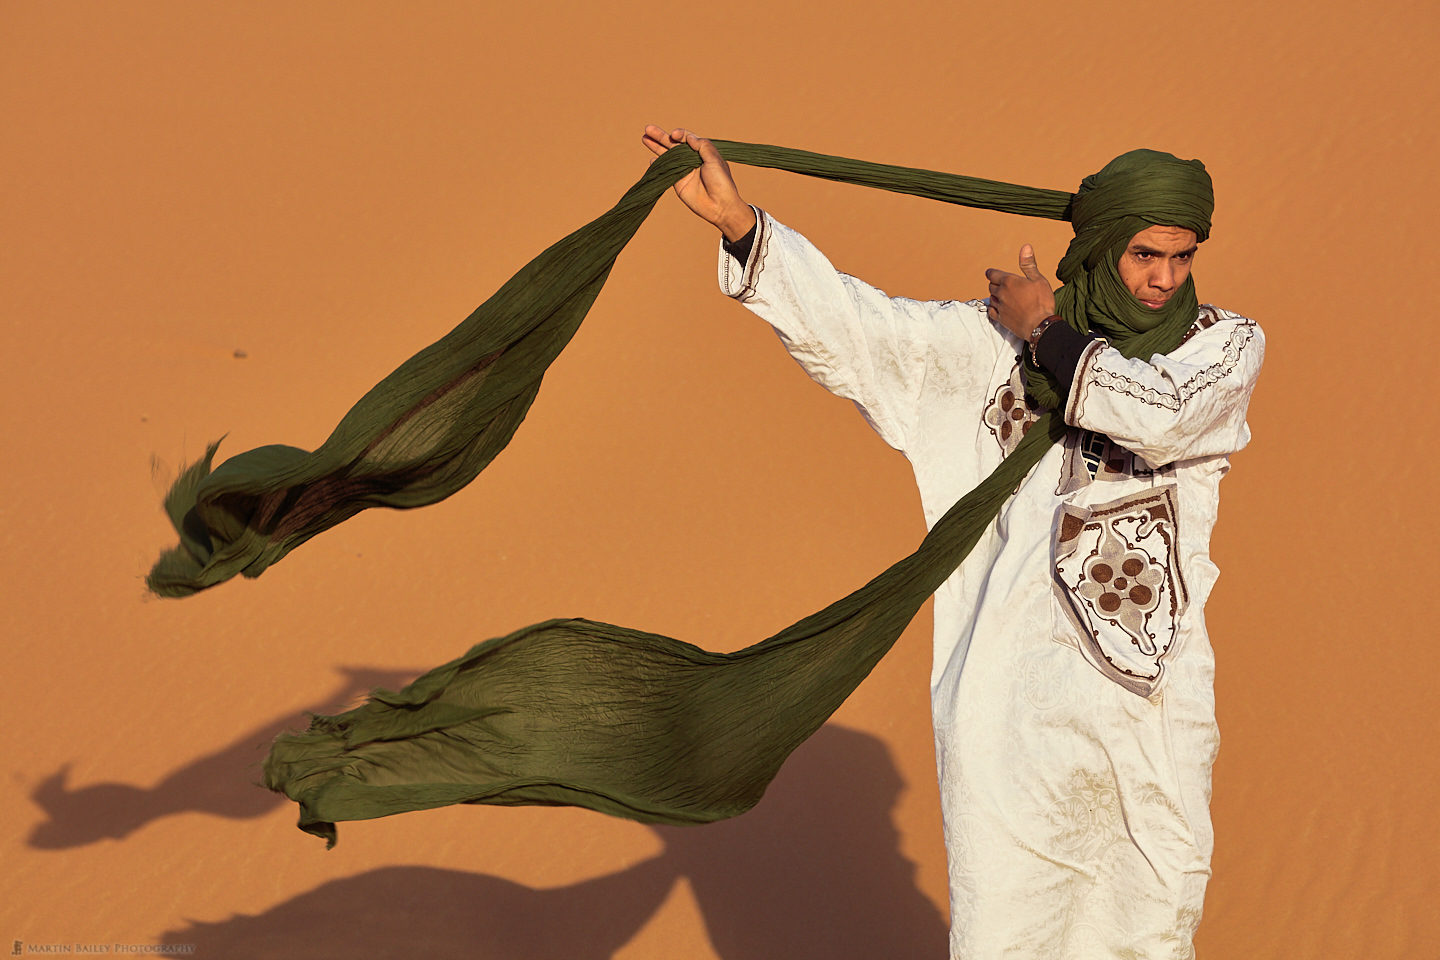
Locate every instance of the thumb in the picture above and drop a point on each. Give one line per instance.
(1027, 263)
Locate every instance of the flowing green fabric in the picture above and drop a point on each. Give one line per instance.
(430, 427)
(590, 714)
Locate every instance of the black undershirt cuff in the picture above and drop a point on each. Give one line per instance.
(740, 249)
(1060, 348)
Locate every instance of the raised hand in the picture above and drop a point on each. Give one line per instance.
(709, 191)
(1019, 303)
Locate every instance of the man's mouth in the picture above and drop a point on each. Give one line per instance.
(1152, 304)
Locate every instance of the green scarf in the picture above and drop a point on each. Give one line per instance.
(590, 714)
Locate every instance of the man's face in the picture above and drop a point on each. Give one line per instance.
(1156, 263)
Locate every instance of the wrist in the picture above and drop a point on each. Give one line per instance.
(735, 225)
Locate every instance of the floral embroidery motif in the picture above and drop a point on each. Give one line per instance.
(1125, 585)
(1181, 938)
(1043, 680)
(1009, 414)
(1088, 819)
(1117, 575)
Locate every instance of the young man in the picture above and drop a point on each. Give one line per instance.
(1072, 687)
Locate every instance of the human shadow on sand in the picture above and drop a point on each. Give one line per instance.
(223, 783)
(814, 870)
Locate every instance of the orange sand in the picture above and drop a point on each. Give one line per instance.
(238, 217)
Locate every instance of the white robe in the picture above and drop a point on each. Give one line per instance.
(1072, 687)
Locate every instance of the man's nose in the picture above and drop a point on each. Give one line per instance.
(1163, 278)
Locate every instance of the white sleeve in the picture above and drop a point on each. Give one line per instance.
(1188, 404)
(851, 338)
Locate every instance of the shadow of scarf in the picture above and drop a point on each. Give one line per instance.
(813, 871)
(223, 783)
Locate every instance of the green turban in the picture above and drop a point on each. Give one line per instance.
(1135, 191)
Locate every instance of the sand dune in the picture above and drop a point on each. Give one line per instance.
(234, 219)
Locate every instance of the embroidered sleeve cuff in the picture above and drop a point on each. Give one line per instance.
(740, 261)
(1075, 402)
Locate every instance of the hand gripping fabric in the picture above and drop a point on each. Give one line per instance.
(590, 714)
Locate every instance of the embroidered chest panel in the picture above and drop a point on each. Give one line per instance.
(1117, 576)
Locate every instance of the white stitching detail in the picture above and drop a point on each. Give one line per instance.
(1122, 384)
(1216, 371)
(1211, 375)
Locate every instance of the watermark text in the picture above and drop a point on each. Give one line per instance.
(23, 948)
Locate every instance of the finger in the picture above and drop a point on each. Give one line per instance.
(700, 145)
(709, 153)
(1027, 263)
(657, 136)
